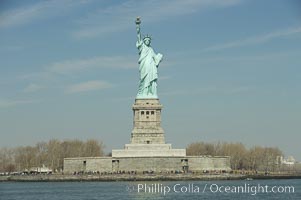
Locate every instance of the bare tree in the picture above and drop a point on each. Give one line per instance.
(200, 148)
(50, 154)
(262, 158)
(7, 160)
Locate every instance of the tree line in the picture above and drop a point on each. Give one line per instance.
(241, 158)
(51, 154)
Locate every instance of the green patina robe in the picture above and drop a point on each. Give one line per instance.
(148, 64)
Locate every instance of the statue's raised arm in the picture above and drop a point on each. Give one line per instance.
(148, 63)
(138, 22)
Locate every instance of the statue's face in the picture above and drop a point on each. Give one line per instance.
(147, 41)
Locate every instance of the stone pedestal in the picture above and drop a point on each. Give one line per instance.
(147, 139)
(147, 122)
(148, 150)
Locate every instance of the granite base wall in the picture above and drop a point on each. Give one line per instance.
(197, 163)
(101, 164)
(140, 164)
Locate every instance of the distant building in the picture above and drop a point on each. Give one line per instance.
(42, 169)
(289, 161)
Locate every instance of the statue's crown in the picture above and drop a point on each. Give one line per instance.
(147, 36)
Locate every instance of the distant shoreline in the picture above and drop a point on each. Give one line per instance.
(140, 177)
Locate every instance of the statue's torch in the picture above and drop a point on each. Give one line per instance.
(138, 21)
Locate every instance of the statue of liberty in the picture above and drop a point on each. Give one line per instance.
(148, 64)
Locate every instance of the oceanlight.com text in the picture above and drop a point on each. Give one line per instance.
(246, 188)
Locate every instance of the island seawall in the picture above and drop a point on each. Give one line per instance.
(140, 177)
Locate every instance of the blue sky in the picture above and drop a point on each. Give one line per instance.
(231, 70)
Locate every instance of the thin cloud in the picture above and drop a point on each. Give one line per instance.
(88, 86)
(124, 98)
(120, 17)
(164, 77)
(230, 90)
(70, 66)
(13, 103)
(255, 40)
(11, 48)
(37, 11)
(211, 90)
(32, 88)
(37, 76)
